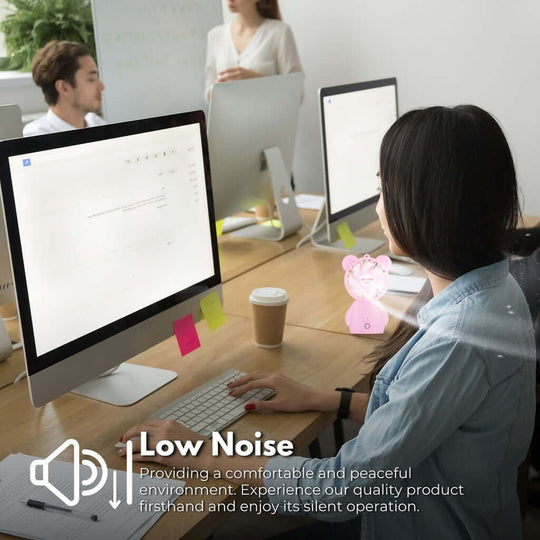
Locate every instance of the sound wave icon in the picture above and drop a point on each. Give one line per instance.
(94, 482)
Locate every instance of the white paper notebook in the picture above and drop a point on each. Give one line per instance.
(126, 522)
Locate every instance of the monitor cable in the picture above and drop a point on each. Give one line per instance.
(309, 235)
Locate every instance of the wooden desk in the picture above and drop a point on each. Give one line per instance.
(304, 355)
(239, 255)
(529, 221)
(314, 280)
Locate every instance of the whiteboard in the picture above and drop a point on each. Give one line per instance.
(151, 55)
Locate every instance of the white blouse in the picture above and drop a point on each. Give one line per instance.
(271, 51)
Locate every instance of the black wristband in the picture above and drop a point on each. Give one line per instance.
(345, 402)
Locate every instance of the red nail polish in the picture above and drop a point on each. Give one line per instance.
(120, 439)
(250, 407)
(229, 384)
(231, 393)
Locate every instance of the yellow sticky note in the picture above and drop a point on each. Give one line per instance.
(346, 235)
(272, 223)
(212, 311)
(219, 227)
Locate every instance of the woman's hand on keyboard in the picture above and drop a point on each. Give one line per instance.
(165, 430)
(203, 459)
(291, 395)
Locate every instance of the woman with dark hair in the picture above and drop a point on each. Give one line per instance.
(451, 409)
(256, 43)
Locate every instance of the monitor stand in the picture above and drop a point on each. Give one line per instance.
(319, 235)
(6, 347)
(126, 385)
(289, 217)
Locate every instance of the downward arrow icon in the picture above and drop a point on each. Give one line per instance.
(115, 502)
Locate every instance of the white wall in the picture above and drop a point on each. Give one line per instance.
(17, 87)
(485, 52)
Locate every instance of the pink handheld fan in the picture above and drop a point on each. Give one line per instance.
(366, 280)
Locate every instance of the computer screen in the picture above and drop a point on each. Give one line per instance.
(111, 230)
(246, 118)
(354, 118)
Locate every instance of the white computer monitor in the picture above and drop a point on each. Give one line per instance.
(7, 288)
(10, 128)
(10, 122)
(112, 239)
(251, 133)
(7, 293)
(354, 119)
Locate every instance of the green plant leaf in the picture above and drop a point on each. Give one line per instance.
(30, 24)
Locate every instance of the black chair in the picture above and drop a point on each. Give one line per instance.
(524, 244)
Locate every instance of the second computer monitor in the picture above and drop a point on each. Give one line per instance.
(246, 119)
(10, 122)
(354, 119)
(7, 289)
(10, 128)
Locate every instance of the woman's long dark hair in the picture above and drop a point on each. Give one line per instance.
(269, 9)
(450, 196)
(449, 188)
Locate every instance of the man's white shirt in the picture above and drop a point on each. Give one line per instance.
(51, 123)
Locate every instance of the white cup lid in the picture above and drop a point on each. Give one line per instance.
(269, 296)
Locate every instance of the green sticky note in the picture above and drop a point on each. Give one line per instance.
(346, 235)
(219, 227)
(212, 311)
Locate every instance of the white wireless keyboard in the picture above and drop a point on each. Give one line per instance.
(209, 407)
(234, 223)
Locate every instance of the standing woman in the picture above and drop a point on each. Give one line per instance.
(256, 43)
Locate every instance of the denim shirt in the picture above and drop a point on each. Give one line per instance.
(456, 406)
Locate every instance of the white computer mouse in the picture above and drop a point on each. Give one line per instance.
(400, 270)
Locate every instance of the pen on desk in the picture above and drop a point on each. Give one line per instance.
(46, 506)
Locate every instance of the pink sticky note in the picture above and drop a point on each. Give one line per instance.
(186, 334)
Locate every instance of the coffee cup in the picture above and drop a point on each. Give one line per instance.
(269, 306)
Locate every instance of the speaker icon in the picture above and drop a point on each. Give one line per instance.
(71, 499)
